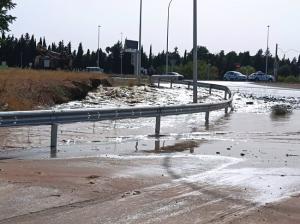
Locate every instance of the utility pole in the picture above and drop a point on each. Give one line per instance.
(140, 45)
(98, 57)
(267, 54)
(121, 53)
(195, 60)
(167, 51)
(276, 64)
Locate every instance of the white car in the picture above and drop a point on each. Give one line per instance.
(260, 76)
(176, 75)
(94, 69)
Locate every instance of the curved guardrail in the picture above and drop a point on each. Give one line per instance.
(55, 117)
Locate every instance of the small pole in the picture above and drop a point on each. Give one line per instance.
(171, 84)
(157, 145)
(210, 90)
(157, 126)
(207, 118)
(53, 144)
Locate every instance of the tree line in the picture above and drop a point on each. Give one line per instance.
(21, 52)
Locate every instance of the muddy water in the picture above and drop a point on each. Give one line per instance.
(249, 149)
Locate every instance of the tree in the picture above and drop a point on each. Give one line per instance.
(78, 63)
(246, 70)
(5, 19)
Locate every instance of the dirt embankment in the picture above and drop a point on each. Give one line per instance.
(31, 89)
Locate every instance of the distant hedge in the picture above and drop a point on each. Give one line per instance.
(289, 79)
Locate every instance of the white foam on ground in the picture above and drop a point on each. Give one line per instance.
(263, 185)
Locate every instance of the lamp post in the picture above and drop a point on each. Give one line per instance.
(140, 44)
(167, 51)
(267, 53)
(195, 60)
(121, 54)
(98, 55)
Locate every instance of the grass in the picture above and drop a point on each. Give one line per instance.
(29, 89)
(42, 75)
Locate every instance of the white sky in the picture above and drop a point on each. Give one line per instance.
(239, 25)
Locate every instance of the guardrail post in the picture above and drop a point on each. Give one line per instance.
(225, 97)
(157, 145)
(171, 84)
(226, 110)
(157, 126)
(207, 118)
(158, 83)
(54, 128)
(210, 90)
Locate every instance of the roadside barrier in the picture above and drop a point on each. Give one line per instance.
(54, 118)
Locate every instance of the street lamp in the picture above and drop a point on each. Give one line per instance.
(98, 57)
(140, 44)
(195, 60)
(121, 54)
(167, 51)
(267, 54)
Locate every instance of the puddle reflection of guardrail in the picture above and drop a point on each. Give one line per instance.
(60, 117)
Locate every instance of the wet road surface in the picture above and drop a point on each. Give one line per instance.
(192, 173)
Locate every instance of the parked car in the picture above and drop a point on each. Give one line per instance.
(260, 76)
(176, 75)
(94, 69)
(234, 76)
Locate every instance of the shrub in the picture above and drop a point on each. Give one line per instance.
(291, 79)
(281, 79)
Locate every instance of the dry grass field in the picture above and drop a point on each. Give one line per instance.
(31, 89)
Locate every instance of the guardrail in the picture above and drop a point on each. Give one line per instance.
(55, 118)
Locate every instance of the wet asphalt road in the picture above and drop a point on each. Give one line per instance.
(256, 146)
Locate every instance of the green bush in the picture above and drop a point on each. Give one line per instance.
(281, 79)
(291, 79)
(247, 70)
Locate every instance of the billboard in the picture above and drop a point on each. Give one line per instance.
(131, 44)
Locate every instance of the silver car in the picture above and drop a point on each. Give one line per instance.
(260, 76)
(176, 75)
(234, 76)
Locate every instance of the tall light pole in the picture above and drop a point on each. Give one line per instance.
(267, 54)
(98, 57)
(121, 53)
(167, 51)
(140, 44)
(195, 60)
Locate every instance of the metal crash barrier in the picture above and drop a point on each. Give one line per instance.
(60, 117)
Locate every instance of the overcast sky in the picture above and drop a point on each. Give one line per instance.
(239, 25)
